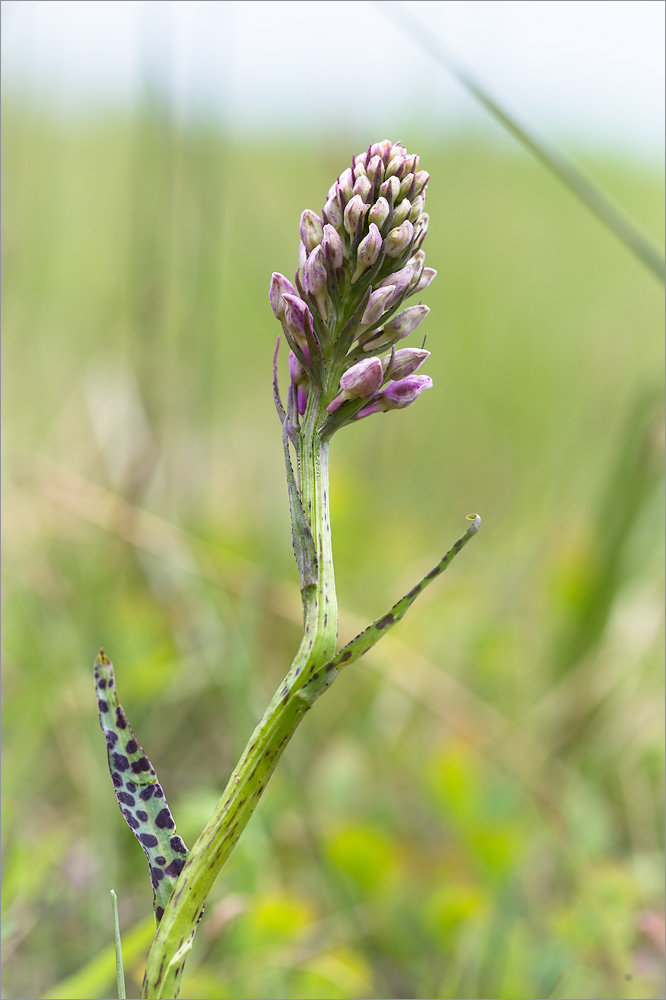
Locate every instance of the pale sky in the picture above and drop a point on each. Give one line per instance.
(583, 72)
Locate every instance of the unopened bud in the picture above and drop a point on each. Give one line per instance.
(314, 275)
(332, 212)
(379, 212)
(362, 380)
(399, 239)
(297, 316)
(405, 362)
(397, 395)
(406, 185)
(405, 322)
(416, 261)
(390, 189)
(376, 305)
(402, 212)
(312, 230)
(381, 148)
(280, 286)
(420, 229)
(345, 183)
(400, 280)
(395, 166)
(369, 250)
(375, 167)
(354, 211)
(421, 178)
(331, 244)
(427, 275)
(417, 207)
(363, 187)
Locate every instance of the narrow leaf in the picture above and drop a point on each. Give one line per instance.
(366, 639)
(140, 795)
(120, 972)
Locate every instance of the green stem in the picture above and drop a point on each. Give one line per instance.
(174, 935)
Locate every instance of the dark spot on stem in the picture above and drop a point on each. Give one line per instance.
(132, 746)
(142, 764)
(143, 816)
(121, 721)
(120, 761)
(386, 621)
(345, 655)
(146, 793)
(103, 705)
(127, 800)
(148, 839)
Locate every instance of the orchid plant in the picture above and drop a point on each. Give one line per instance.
(342, 318)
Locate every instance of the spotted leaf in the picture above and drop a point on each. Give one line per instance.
(139, 793)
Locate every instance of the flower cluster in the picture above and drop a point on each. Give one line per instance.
(359, 261)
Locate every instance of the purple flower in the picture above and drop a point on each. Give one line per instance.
(361, 380)
(280, 286)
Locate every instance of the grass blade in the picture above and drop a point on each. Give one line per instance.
(586, 190)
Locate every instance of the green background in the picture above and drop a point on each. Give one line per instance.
(476, 808)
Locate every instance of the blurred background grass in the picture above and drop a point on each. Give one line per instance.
(476, 809)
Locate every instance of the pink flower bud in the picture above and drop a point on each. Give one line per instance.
(405, 362)
(400, 280)
(406, 185)
(375, 167)
(381, 148)
(354, 211)
(297, 316)
(399, 239)
(377, 304)
(363, 187)
(421, 179)
(332, 213)
(311, 230)
(420, 229)
(314, 274)
(390, 189)
(416, 261)
(397, 395)
(280, 286)
(402, 212)
(364, 378)
(370, 247)
(345, 183)
(395, 166)
(379, 212)
(405, 322)
(417, 207)
(427, 275)
(332, 246)
(361, 380)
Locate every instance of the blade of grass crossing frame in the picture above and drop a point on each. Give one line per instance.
(586, 190)
(120, 972)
